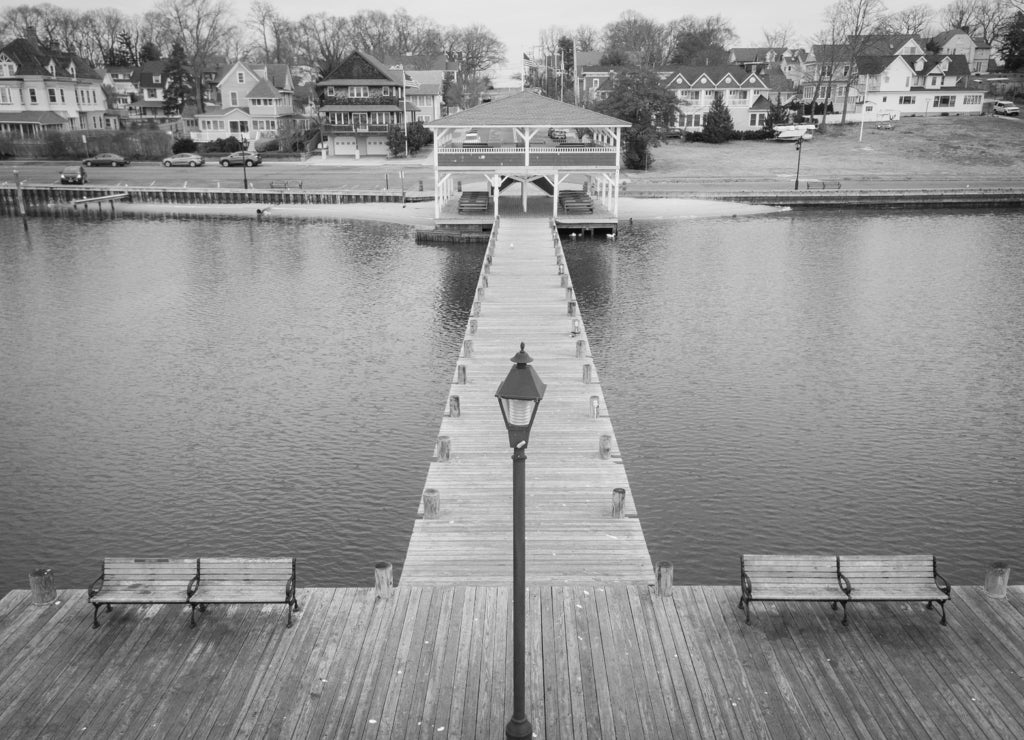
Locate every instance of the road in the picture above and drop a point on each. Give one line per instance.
(379, 175)
(387, 176)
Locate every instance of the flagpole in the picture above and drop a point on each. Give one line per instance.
(405, 112)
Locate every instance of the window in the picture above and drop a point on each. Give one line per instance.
(907, 99)
(690, 96)
(758, 119)
(693, 120)
(944, 101)
(241, 77)
(7, 69)
(358, 92)
(32, 96)
(386, 92)
(595, 83)
(5, 96)
(53, 95)
(737, 97)
(156, 79)
(234, 98)
(62, 95)
(972, 100)
(331, 92)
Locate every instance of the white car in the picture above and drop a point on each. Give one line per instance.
(1005, 108)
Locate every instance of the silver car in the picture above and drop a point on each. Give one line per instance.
(185, 159)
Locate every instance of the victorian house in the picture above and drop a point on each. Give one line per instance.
(257, 101)
(359, 102)
(46, 89)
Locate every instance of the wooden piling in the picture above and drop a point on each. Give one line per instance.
(572, 308)
(997, 579)
(467, 347)
(41, 583)
(618, 503)
(383, 580)
(581, 348)
(663, 578)
(586, 373)
(431, 503)
(460, 375)
(454, 407)
(604, 446)
(444, 449)
(595, 407)
(472, 326)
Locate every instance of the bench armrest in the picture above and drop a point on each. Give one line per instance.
(944, 585)
(192, 586)
(745, 586)
(289, 590)
(95, 588)
(844, 584)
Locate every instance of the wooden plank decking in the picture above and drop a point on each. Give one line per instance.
(571, 535)
(603, 661)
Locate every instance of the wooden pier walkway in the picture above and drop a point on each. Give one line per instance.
(525, 295)
(604, 661)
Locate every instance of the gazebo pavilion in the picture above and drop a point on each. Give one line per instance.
(527, 139)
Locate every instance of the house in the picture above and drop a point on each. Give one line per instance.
(958, 41)
(425, 85)
(148, 103)
(257, 102)
(744, 93)
(917, 84)
(45, 89)
(360, 101)
(755, 59)
(119, 79)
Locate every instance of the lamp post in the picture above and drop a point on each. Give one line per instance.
(796, 183)
(519, 395)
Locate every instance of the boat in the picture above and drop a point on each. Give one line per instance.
(794, 132)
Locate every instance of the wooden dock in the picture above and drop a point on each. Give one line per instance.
(525, 294)
(604, 661)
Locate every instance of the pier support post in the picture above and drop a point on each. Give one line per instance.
(572, 308)
(604, 446)
(996, 580)
(431, 503)
(41, 583)
(595, 407)
(444, 449)
(586, 373)
(383, 580)
(663, 578)
(460, 376)
(467, 347)
(472, 326)
(454, 407)
(618, 503)
(565, 281)
(581, 348)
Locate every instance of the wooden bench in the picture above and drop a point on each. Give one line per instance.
(141, 581)
(896, 578)
(285, 184)
(792, 578)
(823, 184)
(243, 581)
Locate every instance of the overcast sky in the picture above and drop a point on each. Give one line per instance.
(518, 22)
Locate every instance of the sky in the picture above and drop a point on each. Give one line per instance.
(519, 22)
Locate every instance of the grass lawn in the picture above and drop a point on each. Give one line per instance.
(963, 146)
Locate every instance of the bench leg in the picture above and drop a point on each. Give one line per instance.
(844, 610)
(942, 606)
(192, 616)
(95, 613)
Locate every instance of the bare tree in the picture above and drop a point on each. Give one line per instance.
(323, 41)
(778, 37)
(991, 17)
(960, 14)
(915, 20)
(261, 21)
(646, 40)
(475, 47)
(201, 27)
(586, 38)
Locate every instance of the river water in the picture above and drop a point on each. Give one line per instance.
(832, 381)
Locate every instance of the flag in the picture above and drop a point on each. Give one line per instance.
(406, 79)
(529, 62)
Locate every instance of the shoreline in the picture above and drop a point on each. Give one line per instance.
(421, 214)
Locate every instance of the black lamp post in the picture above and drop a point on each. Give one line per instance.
(519, 395)
(799, 146)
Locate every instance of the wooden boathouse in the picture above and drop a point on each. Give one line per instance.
(531, 154)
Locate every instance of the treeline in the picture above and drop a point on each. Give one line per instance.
(206, 29)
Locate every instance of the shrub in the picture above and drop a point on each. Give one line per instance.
(184, 145)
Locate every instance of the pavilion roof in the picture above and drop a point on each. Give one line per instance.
(527, 109)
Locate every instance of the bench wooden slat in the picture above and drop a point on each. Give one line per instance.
(245, 581)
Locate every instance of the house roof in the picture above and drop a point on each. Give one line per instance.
(32, 58)
(753, 53)
(359, 68)
(695, 78)
(43, 118)
(527, 109)
(941, 39)
(418, 62)
(277, 74)
(263, 89)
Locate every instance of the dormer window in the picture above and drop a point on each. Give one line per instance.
(72, 70)
(156, 79)
(52, 69)
(240, 77)
(7, 68)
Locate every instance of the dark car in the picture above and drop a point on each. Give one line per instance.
(249, 159)
(107, 159)
(73, 175)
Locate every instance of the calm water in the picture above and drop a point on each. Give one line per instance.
(831, 381)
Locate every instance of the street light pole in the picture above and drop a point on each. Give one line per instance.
(796, 183)
(519, 395)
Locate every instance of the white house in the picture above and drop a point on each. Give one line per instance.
(257, 101)
(917, 85)
(42, 88)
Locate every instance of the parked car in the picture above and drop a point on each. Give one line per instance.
(107, 159)
(249, 159)
(73, 175)
(185, 159)
(1005, 108)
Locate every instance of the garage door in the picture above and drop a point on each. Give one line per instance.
(377, 146)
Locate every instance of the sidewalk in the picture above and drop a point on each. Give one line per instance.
(423, 158)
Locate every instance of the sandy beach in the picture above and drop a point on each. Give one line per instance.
(421, 214)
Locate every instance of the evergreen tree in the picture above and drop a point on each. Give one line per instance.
(1012, 47)
(718, 127)
(177, 82)
(778, 115)
(638, 96)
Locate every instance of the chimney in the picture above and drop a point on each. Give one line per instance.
(31, 35)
